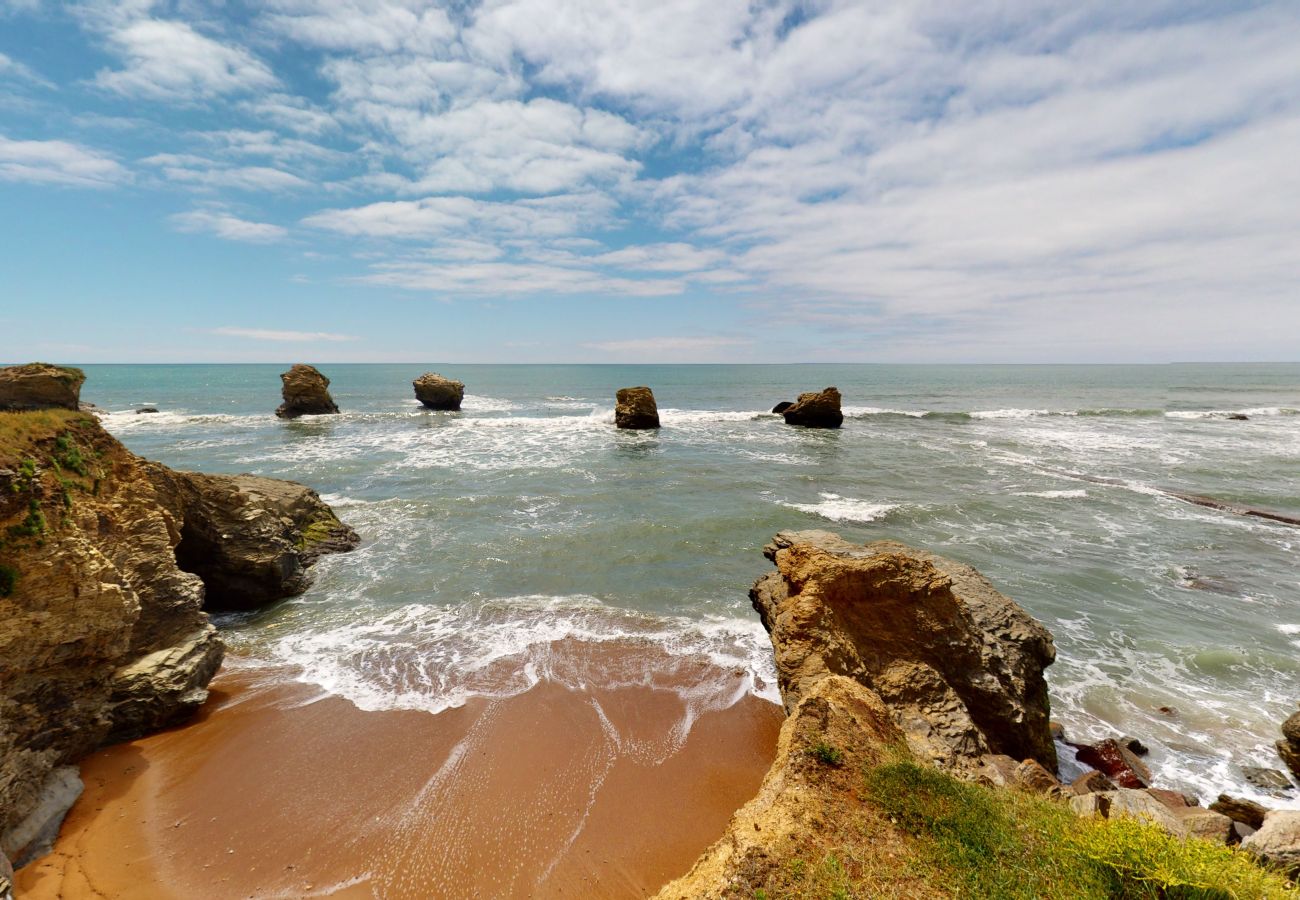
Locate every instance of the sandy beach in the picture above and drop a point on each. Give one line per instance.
(278, 790)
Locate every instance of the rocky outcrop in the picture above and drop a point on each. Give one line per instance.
(1278, 840)
(817, 409)
(782, 407)
(103, 636)
(1289, 747)
(636, 409)
(306, 393)
(436, 392)
(40, 386)
(959, 665)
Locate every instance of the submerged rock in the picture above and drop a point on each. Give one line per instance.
(636, 409)
(817, 409)
(145, 410)
(959, 665)
(436, 392)
(306, 393)
(40, 386)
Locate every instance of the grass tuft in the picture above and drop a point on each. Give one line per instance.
(826, 754)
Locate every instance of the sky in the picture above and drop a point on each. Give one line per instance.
(649, 181)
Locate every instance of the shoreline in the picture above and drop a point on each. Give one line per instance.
(275, 790)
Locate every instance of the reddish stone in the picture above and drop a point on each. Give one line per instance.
(1115, 761)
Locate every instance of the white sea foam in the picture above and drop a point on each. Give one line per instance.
(1011, 413)
(1288, 629)
(846, 509)
(1055, 495)
(431, 658)
(864, 411)
(1259, 412)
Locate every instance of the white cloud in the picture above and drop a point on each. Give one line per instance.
(433, 217)
(293, 113)
(58, 162)
(206, 174)
(297, 337)
(12, 68)
(513, 278)
(169, 60)
(227, 226)
(377, 26)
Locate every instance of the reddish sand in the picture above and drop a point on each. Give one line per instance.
(275, 791)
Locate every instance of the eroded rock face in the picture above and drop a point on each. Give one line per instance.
(306, 393)
(40, 386)
(1289, 747)
(436, 392)
(959, 665)
(817, 409)
(636, 409)
(103, 636)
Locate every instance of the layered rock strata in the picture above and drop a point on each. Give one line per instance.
(306, 393)
(636, 409)
(40, 386)
(103, 562)
(436, 392)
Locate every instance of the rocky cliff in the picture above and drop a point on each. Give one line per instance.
(104, 558)
(880, 649)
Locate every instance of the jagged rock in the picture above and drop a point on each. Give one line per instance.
(1248, 812)
(40, 386)
(1091, 782)
(800, 798)
(1135, 746)
(1269, 780)
(306, 393)
(816, 409)
(437, 392)
(959, 665)
(145, 410)
(1289, 747)
(252, 539)
(1238, 417)
(997, 770)
(102, 632)
(35, 834)
(1031, 776)
(782, 407)
(1116, 761)
(1278, 840)
(636, 409)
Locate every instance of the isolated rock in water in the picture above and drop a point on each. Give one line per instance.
(102, 631)
(782, 407)
(1278, 840)
(1270, 780)
(1289, 747)
(959, 665)
(437, 392)
(819, 409)
(1116, 761)
(251, 539)
(146, 409)
(636, 409)
(40, 386)
(1239, 417)
(306, 393)
(1247, 812)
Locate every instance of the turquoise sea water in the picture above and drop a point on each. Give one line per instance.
(528, 517)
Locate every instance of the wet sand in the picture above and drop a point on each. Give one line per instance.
(276, 790)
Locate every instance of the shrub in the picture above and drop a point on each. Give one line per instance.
(826, 754)
(8, 580)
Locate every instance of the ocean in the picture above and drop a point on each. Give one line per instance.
(490, 534)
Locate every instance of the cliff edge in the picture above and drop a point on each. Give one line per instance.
(107, 563)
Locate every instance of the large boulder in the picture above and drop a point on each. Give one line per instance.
(1289, 747)
(252, 539)
(817, 409)
(1278, 840)
(437, 392)
(306, 393)
(40, 386)
(636, 409)
(1116, 761)
(959, 665)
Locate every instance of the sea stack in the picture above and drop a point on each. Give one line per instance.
(40, 386)
(636, 409)
(436, 392)
(816, 409)
(306, 393)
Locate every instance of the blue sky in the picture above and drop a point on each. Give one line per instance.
(657, 181)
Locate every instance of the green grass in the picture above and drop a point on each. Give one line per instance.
(33, 525)
(985, 843)
(67, 455)
(826, 754)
